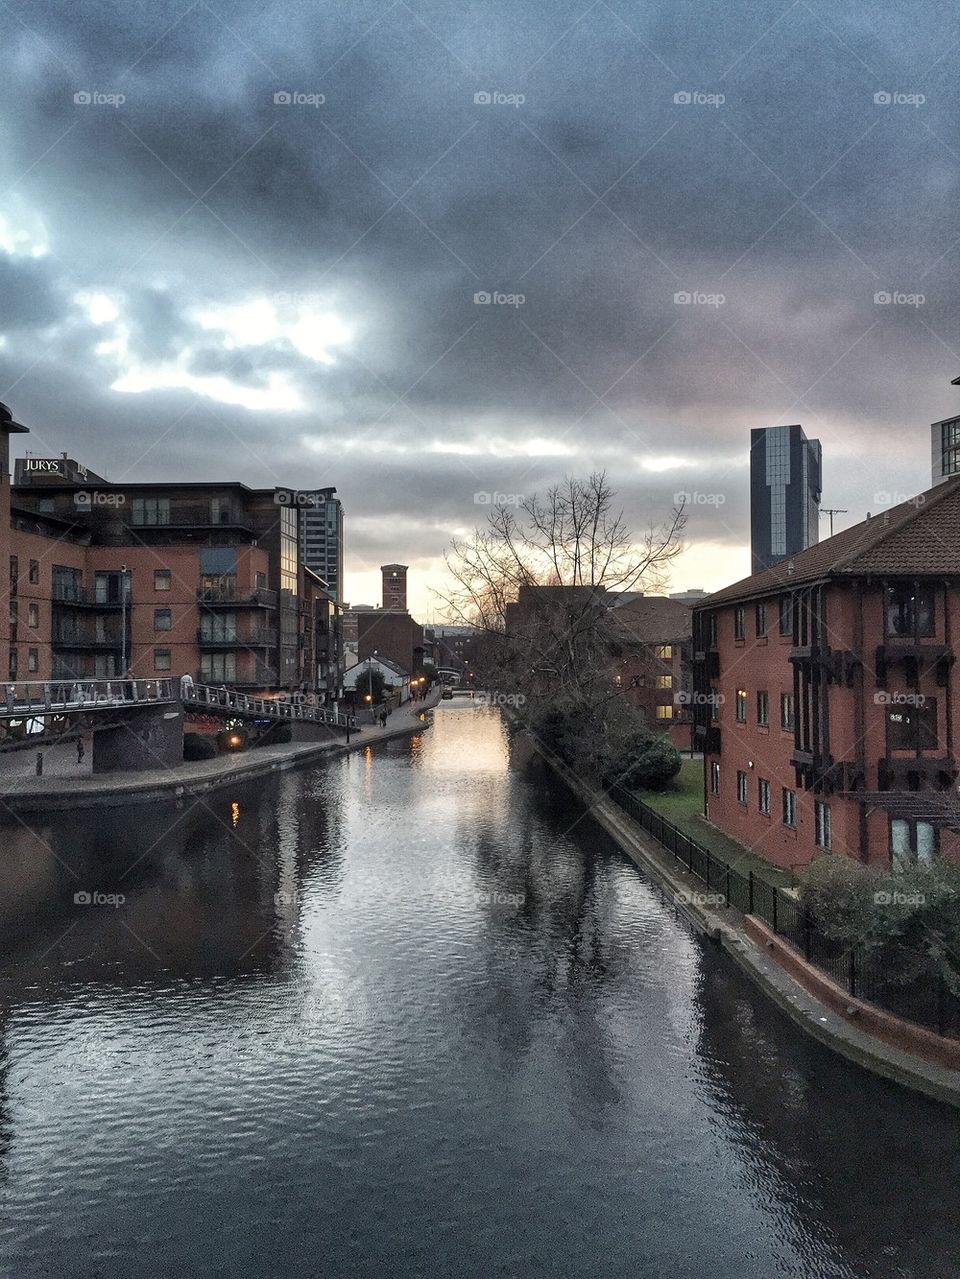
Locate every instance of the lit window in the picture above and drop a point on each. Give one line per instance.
(714, 778)
(664, 651)
(741, 705)
(664, 681)
(665, 712)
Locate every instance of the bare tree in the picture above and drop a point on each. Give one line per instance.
(537, 580)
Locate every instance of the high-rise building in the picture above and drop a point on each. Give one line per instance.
(394, 586)
(321, 536)
(785, 478)
(945, 446)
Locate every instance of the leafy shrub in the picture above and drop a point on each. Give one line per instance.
(907, 921)
(646, 761)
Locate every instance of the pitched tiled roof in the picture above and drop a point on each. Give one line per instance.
(653, 619)
(921, 535)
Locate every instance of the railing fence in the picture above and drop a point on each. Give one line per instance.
(926, 1000)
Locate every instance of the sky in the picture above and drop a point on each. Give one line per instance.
(440, 255)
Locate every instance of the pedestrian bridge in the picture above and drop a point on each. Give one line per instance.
(227, 701)
(32, 699)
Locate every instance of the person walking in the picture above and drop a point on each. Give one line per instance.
(186, 685)
(81, 750)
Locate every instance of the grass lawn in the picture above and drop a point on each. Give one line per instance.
(682, 804)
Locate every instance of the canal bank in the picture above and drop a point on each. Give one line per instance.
(898, 1051)
(59, 793)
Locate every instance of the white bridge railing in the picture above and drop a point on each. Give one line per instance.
(293, 706)
(32, 697)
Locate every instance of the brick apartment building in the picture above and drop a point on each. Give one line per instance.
(826, 695)
(654, 670)
(205, 579)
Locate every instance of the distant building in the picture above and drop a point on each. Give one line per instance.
(161, 579)
(654, 671)
(945, 446)
(785, 483)
(321, 538)
(394, 586)
(393, 635)
(694, 593)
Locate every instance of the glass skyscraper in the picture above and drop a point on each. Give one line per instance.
(321, 534)
(785, 479)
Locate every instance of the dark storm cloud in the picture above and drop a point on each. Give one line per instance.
(797, 199)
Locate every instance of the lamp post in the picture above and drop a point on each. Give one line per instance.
(124, 599)
(370, 678)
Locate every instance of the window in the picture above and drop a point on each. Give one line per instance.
(786, 711)
(161, 659)
(763, 708)
(260, 581)
(712, 630)
(218, 668)
(741, 705)
(912, 727)
(789, 807)
(218, 627)
(162, 619)
(738, 623)
(665, 712)
(763, 794)
(35, 572)
(741, 787)
(33, 616)
(33, 659)
(714, 778)
(12, 664)
(786, 615)
(664, 681)
(761, 620)
(912, 843)
(910, 609)
(161, 579)
(219, 514)
(150, 510)
(663, 651)
(14, 574)
(824, 825)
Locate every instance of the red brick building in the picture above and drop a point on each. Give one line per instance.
(654, 671)
(160, 579)
(826, 695)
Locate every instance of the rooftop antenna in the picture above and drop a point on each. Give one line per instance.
(832, 511)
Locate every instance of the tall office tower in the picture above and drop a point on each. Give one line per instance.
(321, 537)
(785, 476)
(945, 446)
(395, 586)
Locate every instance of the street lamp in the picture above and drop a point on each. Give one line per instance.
(124, 592)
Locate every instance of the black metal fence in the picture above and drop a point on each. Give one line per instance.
(926, 1000)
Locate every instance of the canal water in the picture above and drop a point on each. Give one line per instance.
(411, 1013)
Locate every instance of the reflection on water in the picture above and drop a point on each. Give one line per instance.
(410, 1013)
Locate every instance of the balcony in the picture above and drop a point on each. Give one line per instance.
(916, 656)
(83, 597)
(78, 643)
(234, 597)
(913, 772)
(263, 638)
(191, 517)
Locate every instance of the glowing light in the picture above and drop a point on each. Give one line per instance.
(234, 813)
